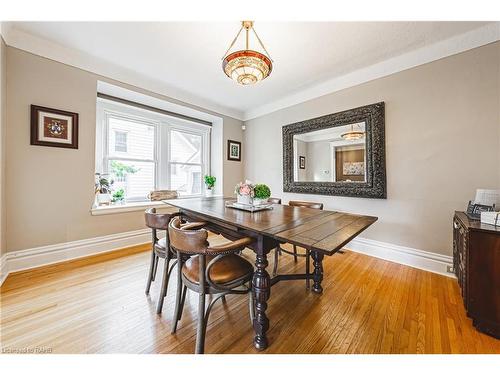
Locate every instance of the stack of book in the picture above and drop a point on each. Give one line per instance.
(492, 218)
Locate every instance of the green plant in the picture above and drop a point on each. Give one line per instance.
(102, 184)
(120, 170)
(262, 191)
(210, 181)
(118, 196)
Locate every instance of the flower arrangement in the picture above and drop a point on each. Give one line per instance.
(252, 194)
(244, 189)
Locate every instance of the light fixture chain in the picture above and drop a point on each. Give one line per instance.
(232, 44)
(262, 44)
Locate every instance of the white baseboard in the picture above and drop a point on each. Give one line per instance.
(44, 255)
(423, 260)
(3, 268)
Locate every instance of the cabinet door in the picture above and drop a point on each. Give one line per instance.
(484, 277)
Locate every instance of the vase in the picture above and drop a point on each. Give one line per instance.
(244, 199)
(209, 193)
(103, 199)
(259, 201)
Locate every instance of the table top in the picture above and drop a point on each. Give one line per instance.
(320, 230)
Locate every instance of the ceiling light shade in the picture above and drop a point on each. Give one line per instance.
(353, 135)
(247, 66)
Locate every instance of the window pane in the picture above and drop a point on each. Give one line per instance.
(186, 179)
(135, 178)
(185, 147)
(139, 139)
(120, 141)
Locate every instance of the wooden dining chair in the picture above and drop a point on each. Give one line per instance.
(279, 249)
(160, 250)
(274, 200)
(213, 270)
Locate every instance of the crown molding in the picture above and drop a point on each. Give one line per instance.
(476, 38)
(42, 47)
(72, 57)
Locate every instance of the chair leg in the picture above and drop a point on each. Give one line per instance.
(164, 285)
(200, 333)
(223, 299)
(183, 299)
(307, 269)
(155, 267)
(276, 259)
(295, 253)
(179, 292)
(151, 269)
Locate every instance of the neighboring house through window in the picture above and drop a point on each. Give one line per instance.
(120, 141)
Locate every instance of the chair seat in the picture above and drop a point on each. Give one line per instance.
(225, 271)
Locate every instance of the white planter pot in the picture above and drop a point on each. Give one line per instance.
(259, 201)
(209, 192)
(103, 199)
(244, 199)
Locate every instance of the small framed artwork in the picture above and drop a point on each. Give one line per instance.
(233, 150)
(302, 162)
(53, 127)
(355, 168)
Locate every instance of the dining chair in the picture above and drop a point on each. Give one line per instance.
(279, 249)
(160, 249)
(207, 270)
(274, 200)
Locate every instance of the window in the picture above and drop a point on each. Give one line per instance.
(143, 151)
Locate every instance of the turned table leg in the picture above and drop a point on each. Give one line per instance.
(318, 271)
(261, 285)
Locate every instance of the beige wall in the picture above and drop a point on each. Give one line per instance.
(3, 123)
(442, 142)
(49, 189)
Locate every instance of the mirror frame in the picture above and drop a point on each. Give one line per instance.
(375, 185)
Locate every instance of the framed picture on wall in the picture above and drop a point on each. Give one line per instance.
(233, 150)
(53, 127)
(302, 162)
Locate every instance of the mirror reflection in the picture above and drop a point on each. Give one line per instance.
(334, 154)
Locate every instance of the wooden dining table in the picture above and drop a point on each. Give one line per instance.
(322, 232)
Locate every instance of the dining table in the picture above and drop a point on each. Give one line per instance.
(321, 232)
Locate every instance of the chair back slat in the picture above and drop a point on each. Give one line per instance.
(315, 205)
(155, 220)
(187, 241)
(274, 200)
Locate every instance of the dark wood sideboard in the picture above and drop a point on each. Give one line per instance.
(476, 261)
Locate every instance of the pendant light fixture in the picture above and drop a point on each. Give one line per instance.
(247, 66)
(353, 135)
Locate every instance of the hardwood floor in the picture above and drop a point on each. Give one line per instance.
(98, 305)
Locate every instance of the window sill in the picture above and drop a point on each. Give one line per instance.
(134, 206)
(127, 207)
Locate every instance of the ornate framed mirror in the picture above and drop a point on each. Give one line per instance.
(338, 154)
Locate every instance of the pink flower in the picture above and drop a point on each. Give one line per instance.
(245, 190)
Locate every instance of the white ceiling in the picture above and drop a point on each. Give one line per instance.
(187, 56)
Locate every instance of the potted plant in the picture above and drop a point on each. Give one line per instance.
(209, 183)
(261, 194)
(244, 192)
(103, 189)
(119, 196)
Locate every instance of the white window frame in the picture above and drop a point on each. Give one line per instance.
(163, 125)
